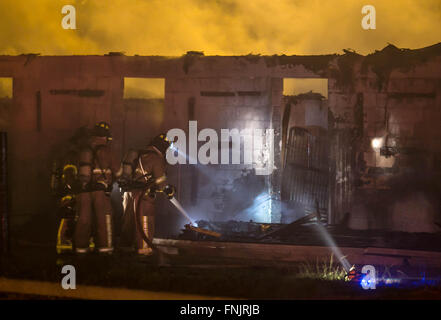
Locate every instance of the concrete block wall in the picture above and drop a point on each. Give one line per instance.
(33, 134)
(217, 103)
(42, 119)
(407, 109)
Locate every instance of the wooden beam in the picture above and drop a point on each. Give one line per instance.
(295, 253)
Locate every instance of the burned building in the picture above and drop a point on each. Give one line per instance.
(369, 153)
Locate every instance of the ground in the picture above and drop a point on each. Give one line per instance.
(211, 277)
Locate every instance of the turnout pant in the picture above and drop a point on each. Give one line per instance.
(65, 234)
(130, 235)
(94, 208)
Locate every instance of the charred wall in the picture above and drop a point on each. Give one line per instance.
(368, 97)
(214, 191)
(394, 95)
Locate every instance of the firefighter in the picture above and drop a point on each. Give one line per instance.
(95, 175)
(142, 176)
(64, 184)
(66, 210)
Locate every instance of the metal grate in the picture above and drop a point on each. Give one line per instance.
(306, 171)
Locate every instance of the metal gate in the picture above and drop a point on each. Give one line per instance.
(306, 170)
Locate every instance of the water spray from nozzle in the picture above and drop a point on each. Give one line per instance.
(182, 210)
(333, 246)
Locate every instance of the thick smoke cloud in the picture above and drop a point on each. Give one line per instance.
(172, 27)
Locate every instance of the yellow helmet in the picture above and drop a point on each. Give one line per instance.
(102, 129)
(161, 142)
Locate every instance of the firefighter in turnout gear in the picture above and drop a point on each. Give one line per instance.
(142, 176)
(95, 175)
(64, 185)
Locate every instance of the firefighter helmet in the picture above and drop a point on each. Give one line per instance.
(102, 129)
(161, 143)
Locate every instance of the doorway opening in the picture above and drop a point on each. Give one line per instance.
(6, 92)
(144, 110)
(305, 151)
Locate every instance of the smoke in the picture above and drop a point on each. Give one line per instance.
(413, 212)
(216, 27)
(224, 27)
(409, 202)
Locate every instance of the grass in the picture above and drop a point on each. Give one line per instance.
(322, 270)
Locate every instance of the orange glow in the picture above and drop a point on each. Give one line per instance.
(223, 27)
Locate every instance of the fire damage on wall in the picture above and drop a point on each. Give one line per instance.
(364, 161)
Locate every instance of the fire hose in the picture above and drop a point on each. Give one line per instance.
(138, 219)
(144, 187)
